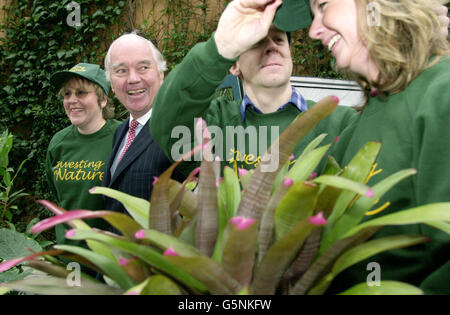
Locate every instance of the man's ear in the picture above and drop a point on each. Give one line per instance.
(234, 70)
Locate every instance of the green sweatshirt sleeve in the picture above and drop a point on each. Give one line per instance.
(431, 151)
(187, 92)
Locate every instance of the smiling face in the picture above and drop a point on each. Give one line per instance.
(134, 74)
(335, 24)
(82, 106)
(268, 63)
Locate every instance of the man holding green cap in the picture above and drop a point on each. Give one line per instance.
(77, 155)
(247, 44)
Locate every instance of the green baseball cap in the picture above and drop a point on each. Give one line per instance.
(293, 15)
(88, 71)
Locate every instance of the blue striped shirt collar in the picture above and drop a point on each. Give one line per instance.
(296, 99)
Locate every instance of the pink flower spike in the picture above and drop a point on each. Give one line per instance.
(8, 264)
(70, 233)
(196, 171)
(287, 182)
(242, 171)
(318, 219)
(123, 261)
(312, 176)
(155, 179)
(200, 123)
(140, 234)
(242, 223)
(206, 133)
(170, 252)
(369, 193)
(65, 217)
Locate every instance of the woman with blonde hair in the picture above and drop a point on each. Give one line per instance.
(396, 51)
(77, 155)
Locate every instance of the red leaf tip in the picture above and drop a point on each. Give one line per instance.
(170, 252)
(318, 219)
(242, 223)
(140, 234)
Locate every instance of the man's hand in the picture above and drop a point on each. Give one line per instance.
(243, 24)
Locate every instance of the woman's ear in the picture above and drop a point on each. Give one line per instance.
(103, 103)
(234, 70)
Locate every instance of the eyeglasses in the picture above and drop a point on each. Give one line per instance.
(67, 93)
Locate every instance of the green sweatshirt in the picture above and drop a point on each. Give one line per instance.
(413, 127)
(188, 92)
(75, 163)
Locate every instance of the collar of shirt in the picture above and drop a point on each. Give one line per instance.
(143, 119)
(296, 99)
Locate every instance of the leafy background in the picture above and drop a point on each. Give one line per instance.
(37, 41)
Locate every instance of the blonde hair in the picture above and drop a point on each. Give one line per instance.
(108, 110)
(407, 34)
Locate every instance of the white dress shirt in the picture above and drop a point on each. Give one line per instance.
(142, 121)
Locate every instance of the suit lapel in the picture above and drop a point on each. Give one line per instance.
(137, 147)
(120, 134)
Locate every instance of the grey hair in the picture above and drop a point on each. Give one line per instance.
(160, 61)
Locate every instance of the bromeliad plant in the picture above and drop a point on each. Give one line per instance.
(283, 232)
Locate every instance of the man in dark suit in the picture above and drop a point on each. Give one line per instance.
(135, 68)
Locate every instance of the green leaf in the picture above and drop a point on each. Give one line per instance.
(188, 206)
(208, 272)
(363, 251)
(385, 288)
(440, 225)
(4, 290)
(278, 257)
(14, 245)
(303, 168)
(207, 226)
(324, 261)
(357, 170)
(145, 253)
(163, 241)
(58, 286)
(434, 212)
(343, 184)
(110, 267)
(312, 146)
(297, 204)
(239, 252)
(138, 208)
(161, 218)
(356, 213)
(97, 247)
(228, 197)
(156, 285)
(13, 275)
(370, 248)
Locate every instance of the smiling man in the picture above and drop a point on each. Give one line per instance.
(251, 42)
(135, 68)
